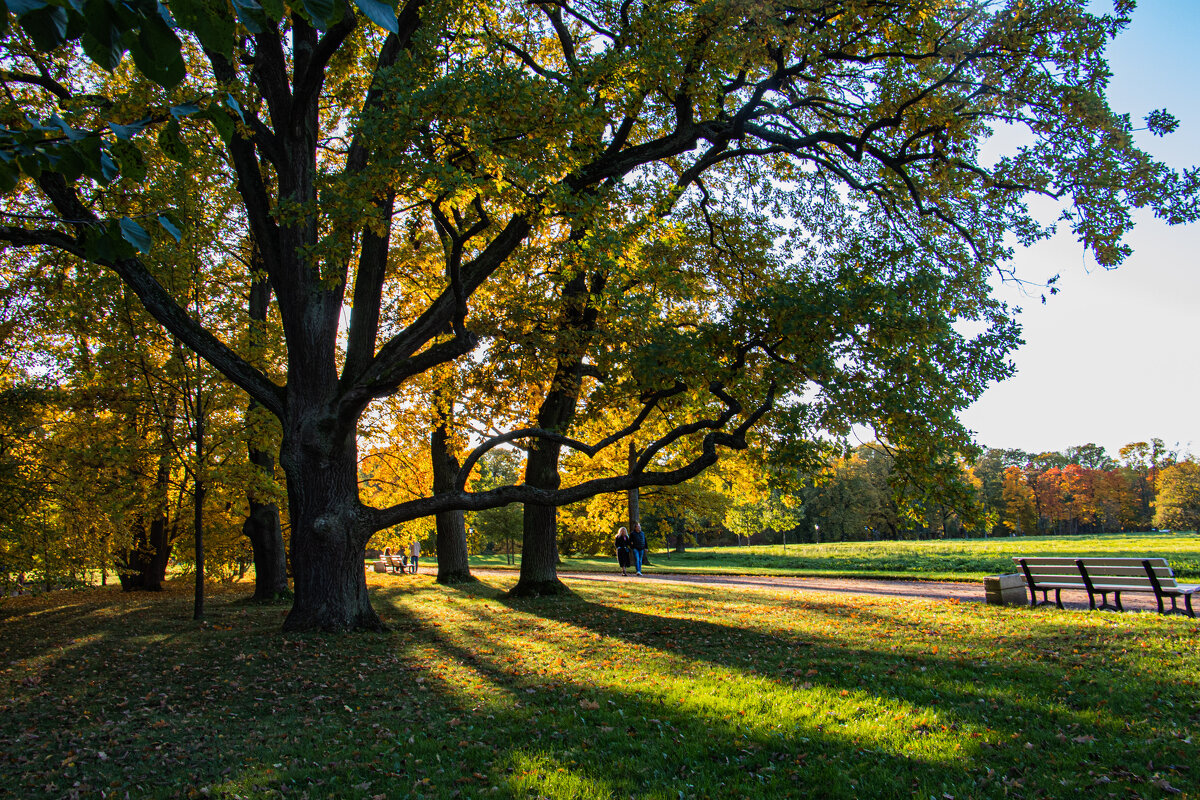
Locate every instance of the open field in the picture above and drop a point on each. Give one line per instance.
(934, 559)
(622, 690)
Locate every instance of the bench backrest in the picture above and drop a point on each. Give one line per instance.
(1110, 573)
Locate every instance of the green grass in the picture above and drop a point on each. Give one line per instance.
(940, 559)
(621, 690)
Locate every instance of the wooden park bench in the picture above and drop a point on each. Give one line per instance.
(1105, 576)
(398, 564)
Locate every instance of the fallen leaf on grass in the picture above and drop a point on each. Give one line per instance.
(589, 704)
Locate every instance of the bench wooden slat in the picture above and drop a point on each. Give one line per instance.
(1050, 574)
(1161, 572)
(1053, 561)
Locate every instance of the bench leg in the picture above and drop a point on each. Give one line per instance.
(1186, 611)
(1029, 582)
(1105, 605)
(1045, 601)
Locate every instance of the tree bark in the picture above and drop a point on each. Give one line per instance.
(330, 528)
(453, 566)
(262, 526)
(633, 497)
(198, 501)
(539, 543)
(539, 554)
(144, 566)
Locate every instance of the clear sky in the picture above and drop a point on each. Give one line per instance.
(1114, 357)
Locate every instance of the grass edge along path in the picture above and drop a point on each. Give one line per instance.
(620, 690)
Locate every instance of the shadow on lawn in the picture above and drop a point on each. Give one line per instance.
(1078, 692)
(152, 706)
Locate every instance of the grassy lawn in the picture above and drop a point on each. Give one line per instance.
(946, 559)
(622, 690)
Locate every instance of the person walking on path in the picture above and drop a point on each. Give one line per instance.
(622, 544)
(637, 540)
(414, 553)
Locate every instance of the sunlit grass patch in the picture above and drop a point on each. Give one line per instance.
(930, 559)
(619, 690)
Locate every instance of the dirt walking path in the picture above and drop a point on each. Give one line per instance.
(914, 590)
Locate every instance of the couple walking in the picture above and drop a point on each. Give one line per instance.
(627, 542)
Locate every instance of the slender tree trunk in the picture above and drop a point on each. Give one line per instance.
(451, 526)
(539, 554)
(198, 504)
(262, 526)
(144, 566)
(633, 498)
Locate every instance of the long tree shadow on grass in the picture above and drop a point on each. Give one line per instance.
(1045, 682)
(466, 694)
(705, 748)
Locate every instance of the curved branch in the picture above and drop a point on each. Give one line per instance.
(590, 450)
(44, 81)
(506, 495)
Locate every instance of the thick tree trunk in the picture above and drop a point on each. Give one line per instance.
(539, 546)
(329, 529)
(136, 567)
(539, 543)
(453, 566)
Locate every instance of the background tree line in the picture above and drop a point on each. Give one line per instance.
(860, 495)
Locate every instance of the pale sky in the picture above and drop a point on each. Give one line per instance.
(1112, 358)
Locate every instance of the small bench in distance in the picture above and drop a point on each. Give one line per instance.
(1104, 576)
(400, 564)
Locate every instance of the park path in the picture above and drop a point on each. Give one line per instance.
(913, 590)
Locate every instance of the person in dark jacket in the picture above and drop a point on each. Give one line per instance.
(622, 544)
(637, 540)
